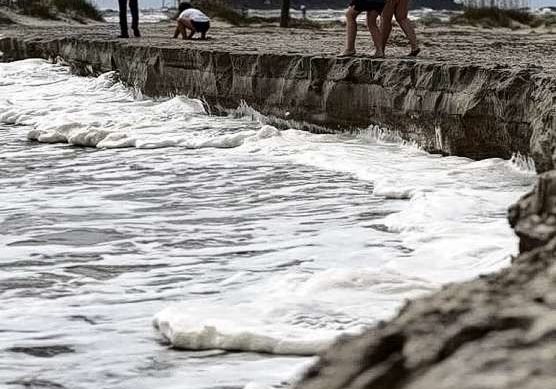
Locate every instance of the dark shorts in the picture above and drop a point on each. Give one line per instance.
(368, 5)
(201, 27)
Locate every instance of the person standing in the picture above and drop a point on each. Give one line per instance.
(400, 9)
(134, 9)
(373, 9)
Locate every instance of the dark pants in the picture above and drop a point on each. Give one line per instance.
(134, 8)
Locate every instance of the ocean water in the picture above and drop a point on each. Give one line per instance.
(338, 15)
(153, 13)
(146, 243)
(156, 15)
(113, 4)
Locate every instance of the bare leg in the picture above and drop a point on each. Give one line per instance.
(177, 32)
(386, 21)
(406, 25)
(351, 30)
(182, 29)
(375, 33)
(188, 26)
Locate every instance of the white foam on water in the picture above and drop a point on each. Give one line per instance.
(522, 163)
(338, 15)
(254, 385)
(391, 189)
(102, 113)
(292, 316)
(453, 218)
(424, 219)
(237, 329)
(375, 133)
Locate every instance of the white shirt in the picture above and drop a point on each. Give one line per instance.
(194, 15)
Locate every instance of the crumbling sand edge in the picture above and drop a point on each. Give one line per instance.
(495, 332)
(464, 110)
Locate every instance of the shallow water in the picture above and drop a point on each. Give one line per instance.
(231, 234)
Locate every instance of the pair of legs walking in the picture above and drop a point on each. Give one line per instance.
(399, 9)
(351, 31)
(134, 9)
(380, 36)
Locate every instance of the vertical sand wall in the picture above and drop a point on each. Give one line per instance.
(464, 110)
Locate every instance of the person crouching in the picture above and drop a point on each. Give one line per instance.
(192, 20)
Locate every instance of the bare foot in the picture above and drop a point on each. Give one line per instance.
(347, 53)
(378, 54)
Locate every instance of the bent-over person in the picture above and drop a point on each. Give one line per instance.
(192, 20)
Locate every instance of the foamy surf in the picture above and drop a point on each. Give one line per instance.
(255, 385)
(275, 242)
(193, 333)
(148, 138)
(296, 314)
(102, 113)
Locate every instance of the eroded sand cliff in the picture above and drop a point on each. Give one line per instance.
(472, 93)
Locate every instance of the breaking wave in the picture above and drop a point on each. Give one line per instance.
(411, 221)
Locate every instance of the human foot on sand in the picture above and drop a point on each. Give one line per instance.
(347, 53)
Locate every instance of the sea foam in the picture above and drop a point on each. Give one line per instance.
(102, 113)
(206, 333)
(288, 316)
(419, 221)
